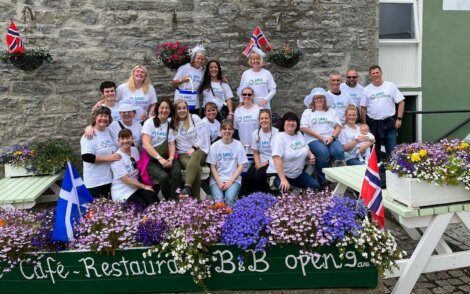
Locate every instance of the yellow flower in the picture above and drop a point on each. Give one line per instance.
(464, 145)
(18, 153)
(415, 157)
(423, 152)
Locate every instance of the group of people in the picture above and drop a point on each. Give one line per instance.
(138, 145)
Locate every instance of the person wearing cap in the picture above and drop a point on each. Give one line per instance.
(126, 185)
(189, 77)
(259, 79)
(378, 110)
(335, 98)
(127, 112)
(321, 127)
(97, 154)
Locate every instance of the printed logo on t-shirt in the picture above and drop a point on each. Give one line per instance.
(128, 169)
(196, 78)
(297, 145)
(263, 144)
(379, 95)
(246, 118)
(158, 134)
(225, 156)
(256, 82)
(338, 105)
(319, 120)
(104, 144)
(185, 133)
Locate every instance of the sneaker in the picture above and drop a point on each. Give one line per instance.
(339, 163)
(185, 192)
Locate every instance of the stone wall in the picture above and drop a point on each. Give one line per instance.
(95, 40)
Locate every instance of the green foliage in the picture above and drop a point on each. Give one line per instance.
(41, 53)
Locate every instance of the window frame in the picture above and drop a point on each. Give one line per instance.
(417, 37)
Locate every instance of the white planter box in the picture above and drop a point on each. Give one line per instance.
(13, 172)
(414, 193)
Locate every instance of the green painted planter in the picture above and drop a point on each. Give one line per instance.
(281, 267)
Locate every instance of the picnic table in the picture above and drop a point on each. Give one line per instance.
(426, 224)
(25, 192)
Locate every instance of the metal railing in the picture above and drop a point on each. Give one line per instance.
(448, 133)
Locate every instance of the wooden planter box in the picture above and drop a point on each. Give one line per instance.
(416, 193)
(281, 267)
(13, 172)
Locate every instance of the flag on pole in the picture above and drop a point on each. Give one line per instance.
(71, 205)
(258, 39)
(371, 191)
(13, 39)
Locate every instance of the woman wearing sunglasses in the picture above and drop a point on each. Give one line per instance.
(126, 185)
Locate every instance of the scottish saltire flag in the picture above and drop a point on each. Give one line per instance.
(13, 39)
(258, 39)
(71, 205)
(371, 191)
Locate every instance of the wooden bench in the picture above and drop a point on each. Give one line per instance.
(25, 192)
(426, 224)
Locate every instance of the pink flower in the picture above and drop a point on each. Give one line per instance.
(175, 57)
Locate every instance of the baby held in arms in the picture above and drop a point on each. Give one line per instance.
(363, 155)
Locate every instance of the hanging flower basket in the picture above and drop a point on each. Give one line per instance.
(285, 57)
(30, 60)
(172, 55)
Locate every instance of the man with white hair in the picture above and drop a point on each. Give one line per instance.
(335, 98)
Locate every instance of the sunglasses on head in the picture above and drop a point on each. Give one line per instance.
(134, 163)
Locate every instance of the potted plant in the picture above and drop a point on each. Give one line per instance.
(286, 56)
(172, 55)
(40, 157)
(32, 59)
(421, 174)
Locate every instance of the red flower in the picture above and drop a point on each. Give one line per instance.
(175, 56)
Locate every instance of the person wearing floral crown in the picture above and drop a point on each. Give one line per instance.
(189, 77)
(259, 79)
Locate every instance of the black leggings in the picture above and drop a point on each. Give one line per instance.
(102, 191)
(143, 197)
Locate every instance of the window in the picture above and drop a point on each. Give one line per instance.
(398, 20)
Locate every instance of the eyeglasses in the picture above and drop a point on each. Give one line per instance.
(134, 163)
(352, 77)
(247, 94)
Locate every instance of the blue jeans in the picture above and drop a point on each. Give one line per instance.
(230, 194)
(323, 153)
(303, 181)
(390, 141)
(354, 161)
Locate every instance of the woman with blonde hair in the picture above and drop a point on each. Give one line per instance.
(139, 92)
(192, 145)
(259, 79)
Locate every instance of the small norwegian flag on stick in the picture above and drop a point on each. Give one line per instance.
(371, 191)
(258, 39)
(13, 39)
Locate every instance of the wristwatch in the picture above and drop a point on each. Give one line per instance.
(399, 118)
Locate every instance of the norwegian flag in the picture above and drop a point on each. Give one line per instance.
(13, 39)
(258, 39)
(371, 191)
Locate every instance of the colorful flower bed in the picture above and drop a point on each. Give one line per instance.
(446, 162)
(185, 230)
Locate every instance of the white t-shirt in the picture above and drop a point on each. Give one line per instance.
(261, 82)
(136, 129)
(262, 142)
(339, 103)
(213, 128)
(322, 122)
(293, 151)
(120, 191)
(98, 173)
(355, 93)
(380, 101)
(227, 158)
(246, 121)
(114, 111)
(158, 135)
(197, 134)
(346, 136)
(220, 93)
(196, 76)
(138, 98)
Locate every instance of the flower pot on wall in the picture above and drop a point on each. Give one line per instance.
(284, 61)
(415, 193)
(26, 62)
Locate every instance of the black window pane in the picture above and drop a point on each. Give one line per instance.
(396, 21)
